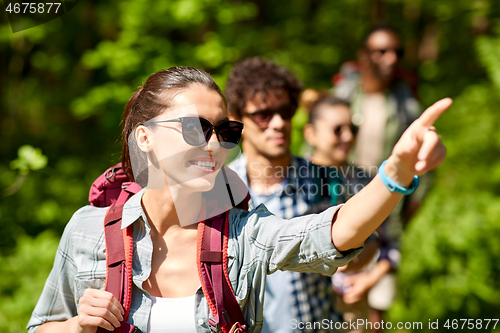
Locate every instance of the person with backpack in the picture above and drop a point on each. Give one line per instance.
(384, 102)
(177, 124)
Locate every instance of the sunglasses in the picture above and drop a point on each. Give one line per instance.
(263, 117)
(337, 130)
(399, 52)
(198, 131)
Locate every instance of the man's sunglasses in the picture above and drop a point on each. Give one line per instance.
(198, 131)
(399, 52)
(263, 117)
(337, 130)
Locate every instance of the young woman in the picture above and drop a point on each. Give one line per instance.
(331, 134)
(164, 120)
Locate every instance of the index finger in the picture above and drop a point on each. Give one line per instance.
(433, 112)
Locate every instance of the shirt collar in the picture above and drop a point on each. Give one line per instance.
(239, 166)
(292, 176)
(132, 210)
(289, 184)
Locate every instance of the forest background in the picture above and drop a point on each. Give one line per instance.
(64, 84)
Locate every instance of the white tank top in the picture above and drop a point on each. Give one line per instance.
(174, 315)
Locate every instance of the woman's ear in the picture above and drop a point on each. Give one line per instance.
(310, 135)
(144, 138)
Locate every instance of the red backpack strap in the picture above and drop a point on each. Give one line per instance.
(119, 252)
(212, 268)
(128, 190)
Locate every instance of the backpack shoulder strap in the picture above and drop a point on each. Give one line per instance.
(128, 190)
(212, 268)
(119, 252)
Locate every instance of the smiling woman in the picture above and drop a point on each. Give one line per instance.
(179, 139)
(182, 91)
(330, 131)
(177, 126)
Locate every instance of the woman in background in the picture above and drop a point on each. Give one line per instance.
(331, 133)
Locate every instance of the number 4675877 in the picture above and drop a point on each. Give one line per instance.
(28, 7)
(471, 324)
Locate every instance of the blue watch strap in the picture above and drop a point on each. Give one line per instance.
(391, 184)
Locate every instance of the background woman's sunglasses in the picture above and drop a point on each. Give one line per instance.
(339, 129)
(198, 131)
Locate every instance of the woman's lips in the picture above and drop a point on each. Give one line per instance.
(206, 165)
(344, 147)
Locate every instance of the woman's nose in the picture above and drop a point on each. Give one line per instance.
(213, 143)
(347, 135)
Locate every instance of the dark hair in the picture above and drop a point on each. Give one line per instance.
(259, 76)
(325, 101)
(379, 27)
(156, 96)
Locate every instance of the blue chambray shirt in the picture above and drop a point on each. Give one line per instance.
(259, 244)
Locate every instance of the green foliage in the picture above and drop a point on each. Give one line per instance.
(23, 276)
(450, 273)
(451, 253)
(29, 158)
(63, 86)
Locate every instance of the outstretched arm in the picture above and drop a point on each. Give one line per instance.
(418, 150)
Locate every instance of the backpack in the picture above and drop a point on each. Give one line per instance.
(113, 189)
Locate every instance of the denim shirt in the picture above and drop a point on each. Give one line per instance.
(259, 244)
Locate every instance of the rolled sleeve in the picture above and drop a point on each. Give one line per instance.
(57, 301)
(301, 244)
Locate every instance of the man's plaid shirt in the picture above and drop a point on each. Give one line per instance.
(313, 298)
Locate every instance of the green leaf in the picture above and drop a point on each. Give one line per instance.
(29, 158)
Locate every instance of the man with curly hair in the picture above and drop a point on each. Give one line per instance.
(264, 97)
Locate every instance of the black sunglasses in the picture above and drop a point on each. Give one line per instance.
(263, 117)
(399, 52)
(339, 129)
(198, 131)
